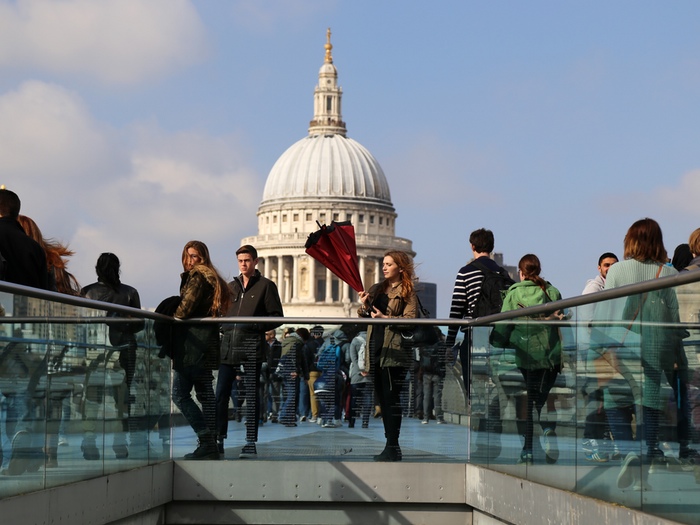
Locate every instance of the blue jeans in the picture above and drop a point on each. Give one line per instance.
(304, 408)
(224, 387)
(289, 406)
(251, 381)
(202, 421)
(432, 391)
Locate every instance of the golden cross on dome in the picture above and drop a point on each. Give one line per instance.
(328, 46)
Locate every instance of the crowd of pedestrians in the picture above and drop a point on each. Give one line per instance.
(241, 372)
(638, 372)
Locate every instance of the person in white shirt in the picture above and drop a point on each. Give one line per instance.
(596, 422)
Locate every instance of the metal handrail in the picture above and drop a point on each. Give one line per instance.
(623, 291)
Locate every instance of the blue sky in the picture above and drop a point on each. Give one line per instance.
(134, 126)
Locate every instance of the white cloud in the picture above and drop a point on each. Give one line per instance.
(117, 41)
(675, 203)
(140, 192)
(180, 187)
(42, 124)
(683, 198)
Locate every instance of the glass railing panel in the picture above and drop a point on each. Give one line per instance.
(73, 399)
(330, 412)
(496, 384)
(66, 376)
(132, 390)
(622, 405)
(23, 380)
(526, 361)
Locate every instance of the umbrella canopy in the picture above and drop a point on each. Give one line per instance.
(334, 247)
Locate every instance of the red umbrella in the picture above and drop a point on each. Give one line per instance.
(334, 247)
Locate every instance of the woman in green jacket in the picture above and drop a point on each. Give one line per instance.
(537, 350)
(393, 297)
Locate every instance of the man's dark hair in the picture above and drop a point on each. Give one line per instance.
(9, 204)
(482, 240)
(247, 248)
(607, 255)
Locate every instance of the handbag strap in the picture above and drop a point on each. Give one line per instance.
(644, 298)
(424, 311)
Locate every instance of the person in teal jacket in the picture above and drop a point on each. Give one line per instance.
(537, 350)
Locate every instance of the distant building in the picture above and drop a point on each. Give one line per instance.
(427, 292)
(324, 177)
(512, 270)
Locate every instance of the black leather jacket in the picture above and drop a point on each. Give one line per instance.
(243, 342)
(119, 333)
(126, 295)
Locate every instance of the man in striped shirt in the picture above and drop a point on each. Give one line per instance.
(466, 292)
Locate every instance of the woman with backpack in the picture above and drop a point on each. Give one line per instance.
(394, 297)
(537, 351)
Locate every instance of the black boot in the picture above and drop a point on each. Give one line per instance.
(391, 453)
(207, 448)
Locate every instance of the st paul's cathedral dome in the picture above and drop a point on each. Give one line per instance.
(321, 178)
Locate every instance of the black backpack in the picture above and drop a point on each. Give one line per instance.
(493, 288)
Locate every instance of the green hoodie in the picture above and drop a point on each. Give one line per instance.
(536, 345)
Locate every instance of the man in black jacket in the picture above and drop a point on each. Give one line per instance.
(22, 260)
(252, 295)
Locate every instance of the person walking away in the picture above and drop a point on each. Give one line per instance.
(433, 365)
(288, 370)
(468, 302)
(311, 350)
(651, 327)
(471, 299)
(537, 352)
(270, 386)
(22, 260)
(122, 339)
(361, 392)
(304, 400)
(26, 451)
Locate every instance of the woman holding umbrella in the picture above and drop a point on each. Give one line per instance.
(395, 296)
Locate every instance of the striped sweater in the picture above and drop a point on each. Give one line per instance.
(466, 292)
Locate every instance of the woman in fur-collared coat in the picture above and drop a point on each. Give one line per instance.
(203, 293)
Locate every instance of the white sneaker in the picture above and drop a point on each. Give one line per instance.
(551, 450)
(629, 471)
